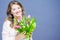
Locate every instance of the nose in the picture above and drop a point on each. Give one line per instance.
(17, 11)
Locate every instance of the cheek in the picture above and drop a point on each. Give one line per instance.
(13, 12)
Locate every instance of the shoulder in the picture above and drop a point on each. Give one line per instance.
(6, 25)
(6, 21)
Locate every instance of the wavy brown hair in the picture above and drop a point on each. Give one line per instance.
(10, 16)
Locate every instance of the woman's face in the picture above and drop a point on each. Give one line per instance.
(16, 10)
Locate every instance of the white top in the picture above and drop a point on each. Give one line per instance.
(8, 33)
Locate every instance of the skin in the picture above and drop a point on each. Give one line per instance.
(17, 12)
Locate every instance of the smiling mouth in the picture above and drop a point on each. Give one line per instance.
(17, 17)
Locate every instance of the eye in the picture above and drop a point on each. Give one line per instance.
(18, 7)
(14, 9)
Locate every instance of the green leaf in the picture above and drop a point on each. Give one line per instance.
(19, 30)
(32, 25)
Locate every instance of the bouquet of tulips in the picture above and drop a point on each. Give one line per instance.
(26, 25)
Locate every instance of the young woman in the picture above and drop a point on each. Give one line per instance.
(15, 10)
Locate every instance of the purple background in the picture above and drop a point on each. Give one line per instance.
(46, 13)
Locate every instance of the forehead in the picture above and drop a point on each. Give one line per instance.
(15, 6)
